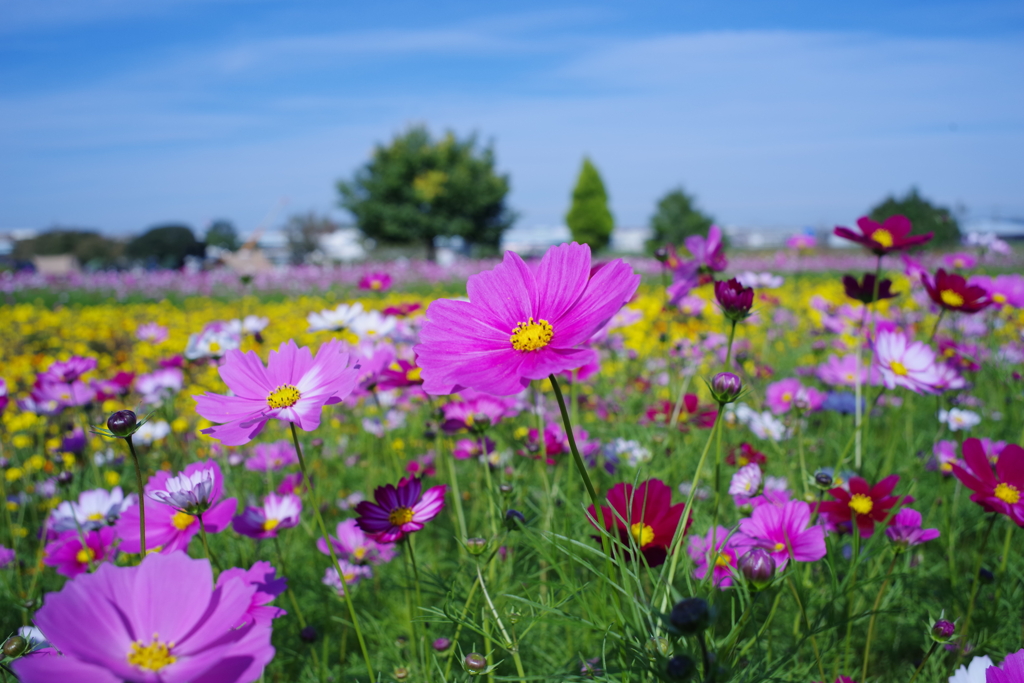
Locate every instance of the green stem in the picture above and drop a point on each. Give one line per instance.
(764, 626)
(942, 312)
(803, 613)
(728, 351)
(1005, 559)
(206, 546)
(871, 623)
(291, 595)
(976, 583)
(509, 644)
(142, 495)
(413, 640)
(453, 476)
(800, 452)
(312, 502)
(458, 628)
(923, 662)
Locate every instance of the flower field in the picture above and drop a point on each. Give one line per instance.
(560, 469)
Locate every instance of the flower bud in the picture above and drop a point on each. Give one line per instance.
(475, 662)
(942, 631)
(823, 480)
(15, 646)
(65, 477)
(690, 616)
(735, 299)
(757, 567)
(661, 253)
(442, 644)
(726, 387)
(986, 576)
(657, 645)
(400, 673)
(122, 423)
(308, 634)
(513, 520)
(505, 489)
(476, 546)
(680, 668)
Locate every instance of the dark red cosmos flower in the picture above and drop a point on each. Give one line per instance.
(868, 504)
(734, 298)
(864, 291)
(999, 492)
(646, 514)
(745, 454)
(402, 310)
(952, 292)
(891, 235)
(691, 414)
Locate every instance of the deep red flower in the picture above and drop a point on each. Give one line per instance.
(691, 414)
(996, 492)
(745, 454)
(864, 291)
(891, 235)
(868, 504)
(952, 292)
(646, 514)
(734, 298)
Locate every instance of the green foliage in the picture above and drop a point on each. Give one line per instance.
(222, 233)
(925, 217)
(416, 189)
(676, 219)
(165, 246)
(589, 219)
(88, 246)
(304, 231)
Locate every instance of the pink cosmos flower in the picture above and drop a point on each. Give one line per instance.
(70, 557)
(70, 370)
(163, 620)
(745, 483)
(276, 513)
(841, 371)
(151, 332)
(167, 528)
(376, 282)
(400, 510)
(787, 393)
(118, 385)
(785, 533)
(475, 414)
(399, 375)
(353, 573)
(263, 577)
(1003, 290)
(802, 242)
(719, 550)
(708, 252)
(1010, 671)
(270, 457)
(944, 457)
(6, 556)
(294, 387)
(906, 529)
(960, 260)
(521, 323)
(995, 492)
(907, 364)
(159, 385)
(472, 448)
(352, 544)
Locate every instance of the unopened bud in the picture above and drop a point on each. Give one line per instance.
(442, 644)
(680, 668)
(474, 662)
(15, 646)
(308, 634)
(476, 545)
(823, 480)
(757, 567)
(122, 423)
(942, 631)
(690, 616)
(400, 673)
(726, 387)
(513, 519)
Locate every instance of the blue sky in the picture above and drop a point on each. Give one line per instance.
(119, 114)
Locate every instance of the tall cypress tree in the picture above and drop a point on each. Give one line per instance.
(589, 219)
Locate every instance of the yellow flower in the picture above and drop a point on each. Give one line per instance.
(14, 474)
(111, 478)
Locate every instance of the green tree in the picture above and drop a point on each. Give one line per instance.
(222, 233)
(676, 219)
(88, 246)
(923, 215)
(589, 219)
(165, 246)
(416, 189)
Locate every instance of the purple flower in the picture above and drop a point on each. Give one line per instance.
(735, 299)
(903, 363)
(276, 513)
(1010, 671)
(263, 577)
(71, 557)
(784, 532)
(841, 371)
(6, 556)
(353, 573)
(189, 493)
(745, 483)
(720, 551)
(399, 510)
(68, 371)
(789, 393)
(376, 282)
(352, 544)
(708, 253)
(906, 529)
(476, 414)
(159, 385)
(270, 457)
(521, 323)
(151, 332)
(128, 623)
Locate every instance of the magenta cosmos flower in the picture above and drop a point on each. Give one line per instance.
(376, 282)
(719, 550)
(999, 491)
(521, 323)
(70, 557)
(906, 529)
(787, 393)
(263, 577)
(400, 510)
(168, 528)
(785, 533)
(162, 621)
(276, 513)
(881, 238)
(270, 457)
(352, 544)
(294, 387)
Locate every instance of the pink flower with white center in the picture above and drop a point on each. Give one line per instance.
(276, 513)
(745, 483)
(907, 364)
(948, 379)
(95, 509)
(353, 573)
(352, 544)
(293, 387)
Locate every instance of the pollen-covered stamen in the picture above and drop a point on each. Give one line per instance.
(882, 237)
(182, 520)
(285, 396)
(898, 368)
(400, 516)
(722, 560)
(152, 657)
(861, 504)
(1008, 493)
(270, 524)
(414, 375)
(531, 336)
(951, 298)
(642, 533)
(85, 555)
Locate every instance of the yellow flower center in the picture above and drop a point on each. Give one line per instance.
(861, 504)
(882, 237)
(182, 520)
(95, 517)
(270, 524)
(958, 263)
(214, 347)
(898, 368)
(85, 556)
(779, 547)
(946, 467)
(285, 396)
(359, 553)
(400, 516)
(951, 298)
(375, 284)
(348, 577)
(722, 560)
(1008, 493)
(413, 375)
(642, 533)
(531, 336)
(999, 298)
(787, 397)
(152, 657)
